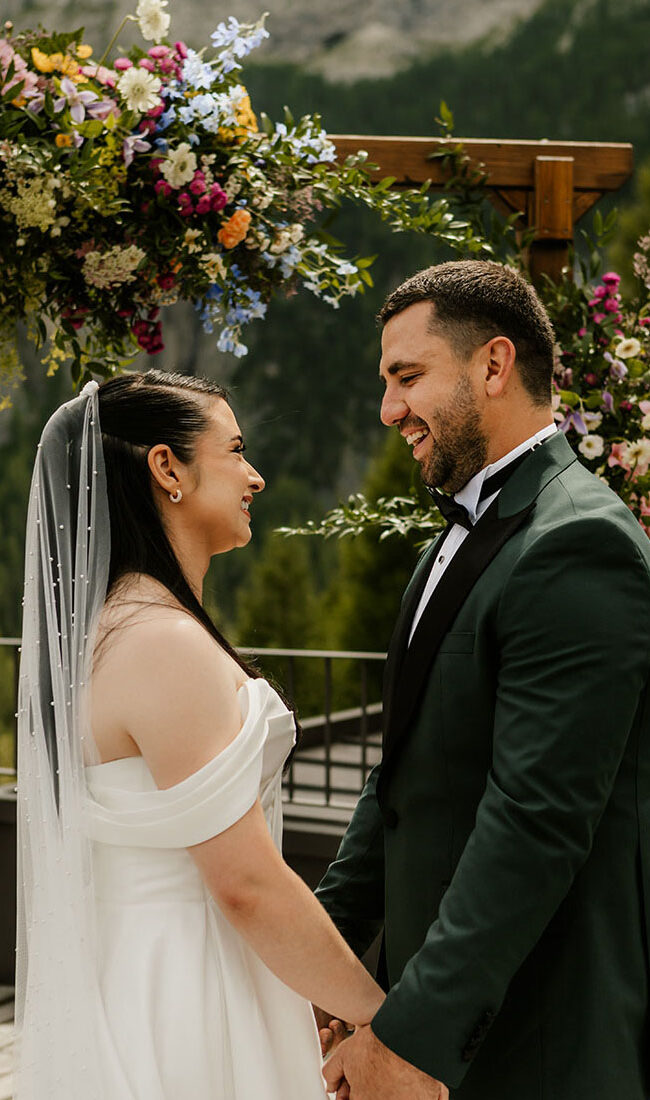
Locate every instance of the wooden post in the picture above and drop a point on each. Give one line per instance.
(552, 216)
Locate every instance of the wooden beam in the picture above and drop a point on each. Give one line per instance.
(598, 166)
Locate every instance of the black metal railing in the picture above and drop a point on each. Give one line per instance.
(337, 696)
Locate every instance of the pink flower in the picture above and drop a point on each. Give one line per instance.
(645, 407)
(218, 197)
(159, 52)
(599, 292)
(197, 186)
(156, 111)
(181, 49)
(582, 332)
(644, 320)
(100, 73)
(204, 205)
(122, 64)
(644, 507)
(626, 406)
(161, 187)
(611, 279)
(599, 318)
(184, 199)
(146, 63)
(617, 456)
(591, 379)
(611, 305)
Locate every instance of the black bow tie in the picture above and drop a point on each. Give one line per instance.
(454, 512)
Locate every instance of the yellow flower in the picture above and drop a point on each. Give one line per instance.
(70, 68)
(56, 60)
(42, 61)
(63, 141)
(246, 123)
(84, 51)
(246, 117)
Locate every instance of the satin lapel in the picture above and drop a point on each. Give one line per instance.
(400, 635)
(477, 551)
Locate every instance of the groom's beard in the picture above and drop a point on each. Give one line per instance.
(458, 444)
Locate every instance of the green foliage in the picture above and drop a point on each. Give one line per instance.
(7, 707)
(634, 221)
(277, 607)
(372, 575)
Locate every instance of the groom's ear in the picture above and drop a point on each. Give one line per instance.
(498, 364)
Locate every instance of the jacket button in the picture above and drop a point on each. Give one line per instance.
(390, 818)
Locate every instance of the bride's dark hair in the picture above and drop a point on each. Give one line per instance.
(136, 411)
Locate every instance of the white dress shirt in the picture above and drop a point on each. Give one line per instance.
(469, 497)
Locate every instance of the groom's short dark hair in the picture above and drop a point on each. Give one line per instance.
(475, 300)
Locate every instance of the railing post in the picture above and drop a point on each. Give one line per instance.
(363, 724)
(327, 730)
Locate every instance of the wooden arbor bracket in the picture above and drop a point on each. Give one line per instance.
(551, 184)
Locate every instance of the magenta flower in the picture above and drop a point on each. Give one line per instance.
(611, 279)
(74, 99)
(218, 197)
(122, 64)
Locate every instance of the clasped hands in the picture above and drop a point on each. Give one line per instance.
(363, 1068)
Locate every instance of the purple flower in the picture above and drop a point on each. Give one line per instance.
(574, 420)
(608, 402)
(617, 370)
(77, 101)
(132, 145)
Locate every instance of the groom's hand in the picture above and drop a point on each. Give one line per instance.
(363, 1068)
(330, 1031)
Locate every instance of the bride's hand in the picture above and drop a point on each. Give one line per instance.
(331, 1031)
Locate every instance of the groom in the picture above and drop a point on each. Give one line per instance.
(504, 841)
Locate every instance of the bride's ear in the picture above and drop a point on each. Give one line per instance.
(164, 467)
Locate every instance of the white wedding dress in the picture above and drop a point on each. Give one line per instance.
(188, 1010)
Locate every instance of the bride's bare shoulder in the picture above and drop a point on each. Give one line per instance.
(144, 625)
(177, 685)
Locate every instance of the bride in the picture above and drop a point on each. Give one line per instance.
(165, 949)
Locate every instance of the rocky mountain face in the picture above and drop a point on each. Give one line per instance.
(343, 40)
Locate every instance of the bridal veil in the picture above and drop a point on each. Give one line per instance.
(66, 573)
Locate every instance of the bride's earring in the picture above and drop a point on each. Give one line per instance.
(176, 497)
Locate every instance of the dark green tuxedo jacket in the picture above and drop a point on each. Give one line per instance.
(504, 841)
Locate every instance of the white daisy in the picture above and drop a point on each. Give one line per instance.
(139, 89)
(591, 446)
(152, 19)
(627, 349)
(179, 165)
(638, 454)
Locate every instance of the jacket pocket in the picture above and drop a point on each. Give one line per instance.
(457, 641)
